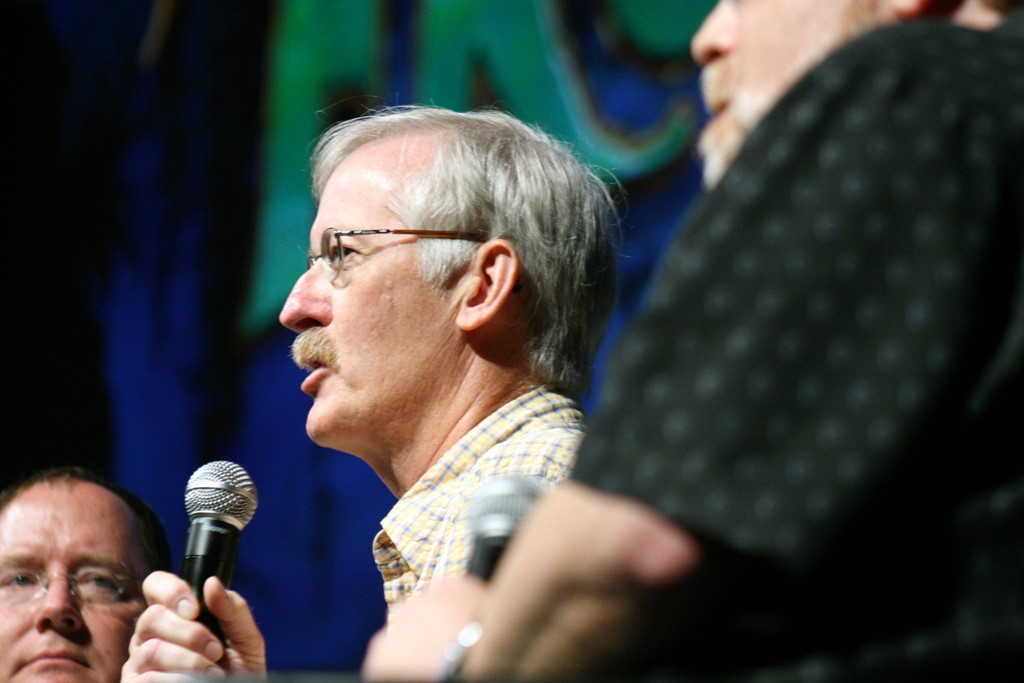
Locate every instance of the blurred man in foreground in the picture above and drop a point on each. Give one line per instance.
(73, 552)
(807, 462)
(460, 275)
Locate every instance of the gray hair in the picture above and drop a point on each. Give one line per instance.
(500, 178)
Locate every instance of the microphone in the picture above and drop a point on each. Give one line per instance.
(220, 499)
(494, 513)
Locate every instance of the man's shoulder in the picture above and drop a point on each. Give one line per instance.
(544, 431)
(927, 47)
(924, 36)
(542, 448)
(537, 410)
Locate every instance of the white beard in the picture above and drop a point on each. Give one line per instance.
(723, 137)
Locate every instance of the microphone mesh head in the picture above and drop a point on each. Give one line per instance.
(501, 504)
(222, 489)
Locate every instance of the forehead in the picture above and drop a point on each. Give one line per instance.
(67, 522)
(360, 192)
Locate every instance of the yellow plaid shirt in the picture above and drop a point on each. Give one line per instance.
(425, 535)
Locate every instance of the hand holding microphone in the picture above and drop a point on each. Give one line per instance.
(179, 632)
(220, 499)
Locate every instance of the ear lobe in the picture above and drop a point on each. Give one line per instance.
(488, 285)
(905, 10)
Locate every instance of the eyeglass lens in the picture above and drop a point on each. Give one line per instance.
(95, 585)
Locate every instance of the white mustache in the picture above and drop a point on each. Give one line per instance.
(312, 349)
(716, 85)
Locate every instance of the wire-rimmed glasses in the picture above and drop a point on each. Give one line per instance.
(333, 253)
(93, 585)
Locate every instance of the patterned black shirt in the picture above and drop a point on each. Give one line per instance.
(826, 381)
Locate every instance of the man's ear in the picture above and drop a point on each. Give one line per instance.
(905, 10)
(488, 285)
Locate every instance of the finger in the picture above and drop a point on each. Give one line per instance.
(231, 609)
(377, 651)
(164, 677)
(155, 656)
(164, 588)
(237, 624)
(158, 623)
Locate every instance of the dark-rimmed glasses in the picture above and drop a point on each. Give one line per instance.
(333, 252)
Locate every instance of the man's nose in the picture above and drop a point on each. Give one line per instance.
(308, 305)
(59, 608)
(717, 35)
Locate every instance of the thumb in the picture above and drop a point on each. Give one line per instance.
(245, 647)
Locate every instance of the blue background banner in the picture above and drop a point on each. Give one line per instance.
(160, 208)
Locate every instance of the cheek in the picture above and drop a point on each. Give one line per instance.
(365, 322)
(111, 634)
(356, 333)
(757, 91)
(778, 58)
(768, 62)
(13, 625)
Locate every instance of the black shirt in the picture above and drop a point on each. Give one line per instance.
(827, 378)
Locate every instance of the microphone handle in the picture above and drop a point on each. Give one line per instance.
(210, 550)
(487, 551)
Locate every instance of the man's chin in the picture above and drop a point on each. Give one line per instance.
(321, 430)
(719, 144)
(714, 167)
(316, 433)
(56, 671)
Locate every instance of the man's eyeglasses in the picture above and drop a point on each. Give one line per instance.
(93, 585)
(333, 252)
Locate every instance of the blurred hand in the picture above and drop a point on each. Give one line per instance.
(591, 584)
(410, 646)
(168, 638)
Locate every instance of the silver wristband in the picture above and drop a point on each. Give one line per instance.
(454, 655)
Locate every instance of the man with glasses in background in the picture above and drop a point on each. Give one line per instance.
(74, 550)
(459, 279)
